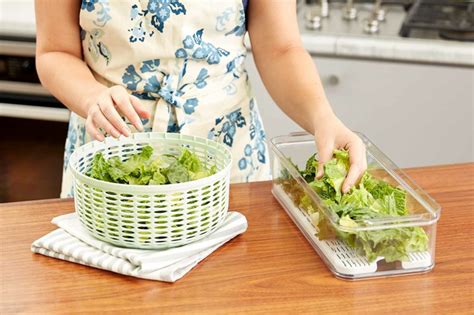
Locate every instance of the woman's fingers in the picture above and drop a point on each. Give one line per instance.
(358, 162)
(123, 101)
(139, 108)
(106, 108)
(325, 150)
(99, 120)
(110, 113)
(93, 130)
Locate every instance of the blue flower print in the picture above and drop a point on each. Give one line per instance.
(248, 150)
(93, 43)
(255, 151)
(160, 17)
(146, 124)
(257, 133)
(236, 67)
(135, 12)
(239, 29)
(152, 85)
(75, 138)
(189, 105)
(88, 5)
(230, 123)
(152, 18)
(145, 83)
(104, 51)
(181, 53)
(173, 125)
(201, 79)
(161, 11)
(188, 42)
(150, 65)
(242, 163)
(223, 20)
(131, 78)
(103, 14)
(96, 47)
(70, 144)
(137, 33)
(199, 49)
(201, 53)
(103, 11)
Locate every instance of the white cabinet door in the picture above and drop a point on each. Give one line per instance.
(417, 114)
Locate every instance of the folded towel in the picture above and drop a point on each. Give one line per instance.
(73, 243)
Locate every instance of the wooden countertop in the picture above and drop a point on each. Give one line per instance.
(269, 269)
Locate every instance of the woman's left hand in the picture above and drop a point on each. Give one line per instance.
(330, 134)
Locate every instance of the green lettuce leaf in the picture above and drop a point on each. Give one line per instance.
(371, 198)
(100, 168)
(142, 169)
(177, 173)
(190, 161)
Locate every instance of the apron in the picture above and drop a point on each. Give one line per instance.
(184, 59)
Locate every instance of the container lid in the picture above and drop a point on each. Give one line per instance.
(423, 210)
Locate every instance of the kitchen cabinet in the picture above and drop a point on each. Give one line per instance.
(31, 158)
(418, 114)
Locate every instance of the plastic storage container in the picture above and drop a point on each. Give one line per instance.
(346, 260)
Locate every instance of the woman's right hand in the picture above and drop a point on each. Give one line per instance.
(105, 108)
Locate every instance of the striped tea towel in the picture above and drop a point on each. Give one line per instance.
(73, 243)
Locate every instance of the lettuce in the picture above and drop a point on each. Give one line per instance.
(371, 198)
(143, 169)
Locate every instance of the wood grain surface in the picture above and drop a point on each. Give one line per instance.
(271, 269)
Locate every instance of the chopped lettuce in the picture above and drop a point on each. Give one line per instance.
(371, 198)
(143, 169)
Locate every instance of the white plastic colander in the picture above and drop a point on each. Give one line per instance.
(152, 216)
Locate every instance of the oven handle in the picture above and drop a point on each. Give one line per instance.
(23, 88)
(34, 112)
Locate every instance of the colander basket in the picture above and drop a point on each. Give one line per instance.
(151, 216)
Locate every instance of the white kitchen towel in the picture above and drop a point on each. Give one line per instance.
(73, 243)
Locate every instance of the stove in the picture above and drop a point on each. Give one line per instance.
(440, 19)
(419, 19)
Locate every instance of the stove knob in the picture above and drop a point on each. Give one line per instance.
(378, 12)
(380, 15)
(314, 23)
(312, 20)
(371, 26)
(349, 12)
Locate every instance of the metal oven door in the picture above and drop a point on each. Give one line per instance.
(21, 93)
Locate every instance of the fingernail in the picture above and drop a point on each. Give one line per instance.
(139, 125)
(127, 132)
(99, 137)
(115, 134)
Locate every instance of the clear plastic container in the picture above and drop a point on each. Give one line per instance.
(346, 249)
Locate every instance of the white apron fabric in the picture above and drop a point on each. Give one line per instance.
(185, 60)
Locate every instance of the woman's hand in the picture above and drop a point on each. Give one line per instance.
(330, 134)
(105, 107)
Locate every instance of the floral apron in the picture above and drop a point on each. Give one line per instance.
(185, 60)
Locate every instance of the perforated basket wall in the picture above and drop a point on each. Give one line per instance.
(152, 216)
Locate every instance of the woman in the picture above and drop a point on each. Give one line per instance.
(178, 66)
